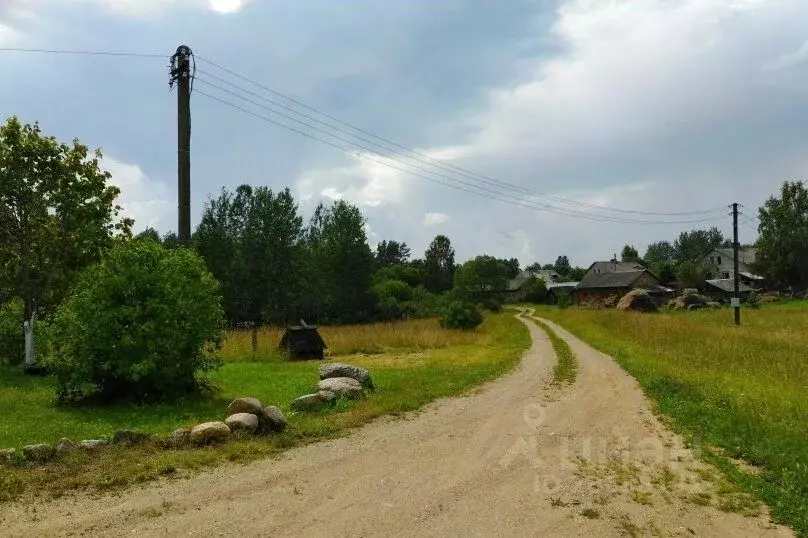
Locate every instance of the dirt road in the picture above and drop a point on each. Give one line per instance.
(519, 457)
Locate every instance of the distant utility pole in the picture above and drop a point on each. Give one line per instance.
(181, 76)
(736, 300)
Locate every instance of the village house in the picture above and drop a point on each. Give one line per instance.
(516, 290)
(613, 278)
(719, 265)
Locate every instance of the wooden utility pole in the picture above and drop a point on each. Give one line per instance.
(181, 76)
(736, 299)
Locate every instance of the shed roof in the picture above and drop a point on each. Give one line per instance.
(728, 285)
(620, 279)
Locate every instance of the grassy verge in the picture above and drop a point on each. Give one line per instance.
(740, 389)
(407, 377)
(566, 368)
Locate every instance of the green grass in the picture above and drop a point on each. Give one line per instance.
(566, 368)
(742, 390)
(406, 379)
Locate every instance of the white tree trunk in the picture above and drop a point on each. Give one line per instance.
(30, 356)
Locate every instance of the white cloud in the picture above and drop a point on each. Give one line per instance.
(433, 219)
(790, 59)
(8, 35)
(148, 202)
(227, 6)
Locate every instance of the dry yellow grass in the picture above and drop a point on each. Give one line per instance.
(409, 335)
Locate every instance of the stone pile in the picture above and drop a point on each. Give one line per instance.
(337, 380)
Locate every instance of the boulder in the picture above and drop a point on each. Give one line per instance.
(39, 453)
(180, 437)
(326, 396)
(309, 402)
(92, 444)
(242, 422)
(638, 301)
(130, 437)
(689, 291)
(209, 432)
(343, 387)
(66, 445)
(8, 455)
(245, 405)
(272, 419)
(695, 299)
(338, 369)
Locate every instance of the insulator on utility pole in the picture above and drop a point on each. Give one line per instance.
(180, 71)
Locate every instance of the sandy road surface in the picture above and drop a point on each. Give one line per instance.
(518, 458)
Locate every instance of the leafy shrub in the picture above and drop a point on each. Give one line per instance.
(395, 289)
(144, 322)
(12, 336)
(535, 291)
(492, 304)
(564, 302)
(460, 315)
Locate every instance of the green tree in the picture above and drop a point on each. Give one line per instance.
(149, 233)
(342, 256)
(576, 274)
(533, 267)
(562, 266)
(480, 277)
(392, 253)
(782, 253)
(690, 275)
(512, 266)
(57, 214)
(692, 246)
(145, 322)
(439, 265)
(629, 254)
(535, 291)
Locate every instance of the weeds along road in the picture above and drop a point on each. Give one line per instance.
(519, 457)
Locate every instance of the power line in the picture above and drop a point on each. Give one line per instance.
(83, 52)
(512, 201)
(466, 172)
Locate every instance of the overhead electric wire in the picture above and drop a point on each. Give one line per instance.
(84, 52)
(512, 201)
(464, 171)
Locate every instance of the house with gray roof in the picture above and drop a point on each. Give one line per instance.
(719, 264)
(613, 278)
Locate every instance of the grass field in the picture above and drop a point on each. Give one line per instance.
(413, 363)
(742, 390)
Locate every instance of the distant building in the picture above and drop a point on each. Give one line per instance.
(557, 290)
(724, 288)
(515, 290)
(607, 279)
(719, 264)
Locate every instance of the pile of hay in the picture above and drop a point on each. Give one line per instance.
(637, 301)
(691, 301)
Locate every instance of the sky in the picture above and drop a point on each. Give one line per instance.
(657, 106)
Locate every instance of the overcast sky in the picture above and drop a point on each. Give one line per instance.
(654, 105)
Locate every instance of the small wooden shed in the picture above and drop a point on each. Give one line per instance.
(303, 342)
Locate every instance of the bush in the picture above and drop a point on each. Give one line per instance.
(460, 315)
(564, 302)
(392, 289)
(144, 322)
(12, 336)
(535, 291)
(492, 304)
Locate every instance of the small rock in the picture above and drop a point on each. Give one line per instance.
(209, 432)
(92, 444)
(7, 455)
(130, 437)
(38, 453)
(345, 387)
(65, 445)
(338, 369)
(308, 402)
(245, 405)
(179, 437)
(273, 419)
(242, 422)
(326, 396)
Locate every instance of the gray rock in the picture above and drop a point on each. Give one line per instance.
(242, 422)
(326, 396)
(245, 405)
(130, 437)
(343, 387)
(8, 455)
(689, 291)
(39, 453)
(92, 444)
(308, 402)
(210, 432)
(338, 369)
(66, 445)
(179, 437)
(273, 420)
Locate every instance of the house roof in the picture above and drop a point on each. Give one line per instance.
(543, 274)
(657, 288)
(562, 285)
(728, 285)
(619, 279)
(614, 266)
(751, 276)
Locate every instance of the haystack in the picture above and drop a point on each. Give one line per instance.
(638, 300)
